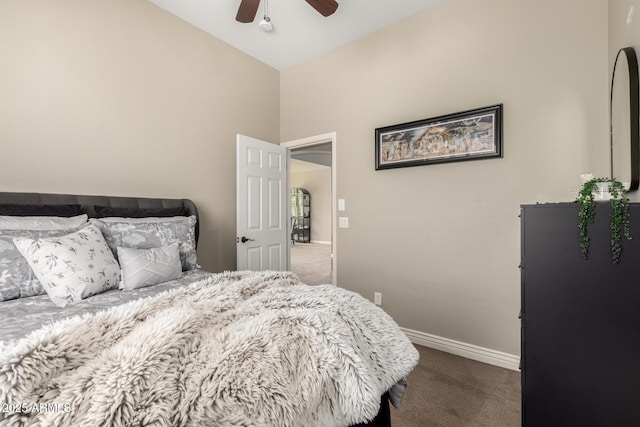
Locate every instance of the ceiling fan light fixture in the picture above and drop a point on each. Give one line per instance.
(266, 24)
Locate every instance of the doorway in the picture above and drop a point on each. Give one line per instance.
(312, 167)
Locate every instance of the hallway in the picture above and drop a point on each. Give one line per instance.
(312, 262)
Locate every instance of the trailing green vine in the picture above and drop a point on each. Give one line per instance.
(619, 218)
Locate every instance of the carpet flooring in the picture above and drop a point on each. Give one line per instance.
(451, 391)
(312, 262)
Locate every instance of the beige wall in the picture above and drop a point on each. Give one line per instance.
(119, 97)
(318, 183)
(442, 242)
(623, 32)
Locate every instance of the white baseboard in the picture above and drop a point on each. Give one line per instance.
(321, 242)
(470, 351)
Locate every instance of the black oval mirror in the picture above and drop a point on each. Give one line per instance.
(624, 119)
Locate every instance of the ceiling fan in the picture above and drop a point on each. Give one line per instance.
(248, 8)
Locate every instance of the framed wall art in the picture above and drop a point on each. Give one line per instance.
(469, 135)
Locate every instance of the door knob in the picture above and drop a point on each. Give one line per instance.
(245, 240)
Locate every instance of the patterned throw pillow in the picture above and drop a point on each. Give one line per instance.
(16, 276)
(71, 267)
(146, 267)
(147, 233)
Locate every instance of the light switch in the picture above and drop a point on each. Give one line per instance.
(341, 204)
(343, 222)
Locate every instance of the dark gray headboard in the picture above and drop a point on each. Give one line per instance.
(88, 202)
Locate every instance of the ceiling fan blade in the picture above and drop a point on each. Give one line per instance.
(324, 7)
(247, 10)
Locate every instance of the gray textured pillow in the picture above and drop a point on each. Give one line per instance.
(146, 267)
(147, 233)
(17, 279)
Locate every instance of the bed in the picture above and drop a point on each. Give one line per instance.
(107, 319)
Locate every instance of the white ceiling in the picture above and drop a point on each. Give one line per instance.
(300, 32)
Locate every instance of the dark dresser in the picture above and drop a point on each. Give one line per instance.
(580, 321)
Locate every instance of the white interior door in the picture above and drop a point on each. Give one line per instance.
(262, 202)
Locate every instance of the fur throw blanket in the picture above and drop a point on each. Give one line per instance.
(235, 349)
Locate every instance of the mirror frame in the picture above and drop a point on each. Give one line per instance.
(634, 107)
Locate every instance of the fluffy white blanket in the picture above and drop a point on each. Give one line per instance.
(236, 349)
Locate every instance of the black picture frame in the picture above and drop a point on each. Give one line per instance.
(468, 135)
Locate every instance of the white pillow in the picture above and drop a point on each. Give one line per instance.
(146, 267)
(41, 222)
(16, 276)
(71, 267)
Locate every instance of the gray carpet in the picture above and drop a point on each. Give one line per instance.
(451, 391)
(311, 262)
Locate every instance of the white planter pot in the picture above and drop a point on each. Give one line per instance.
(601, 193)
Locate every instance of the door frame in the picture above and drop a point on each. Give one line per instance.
(310, 141)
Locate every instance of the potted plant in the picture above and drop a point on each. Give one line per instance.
(615, 191)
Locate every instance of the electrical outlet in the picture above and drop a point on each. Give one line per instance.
(377, 298)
